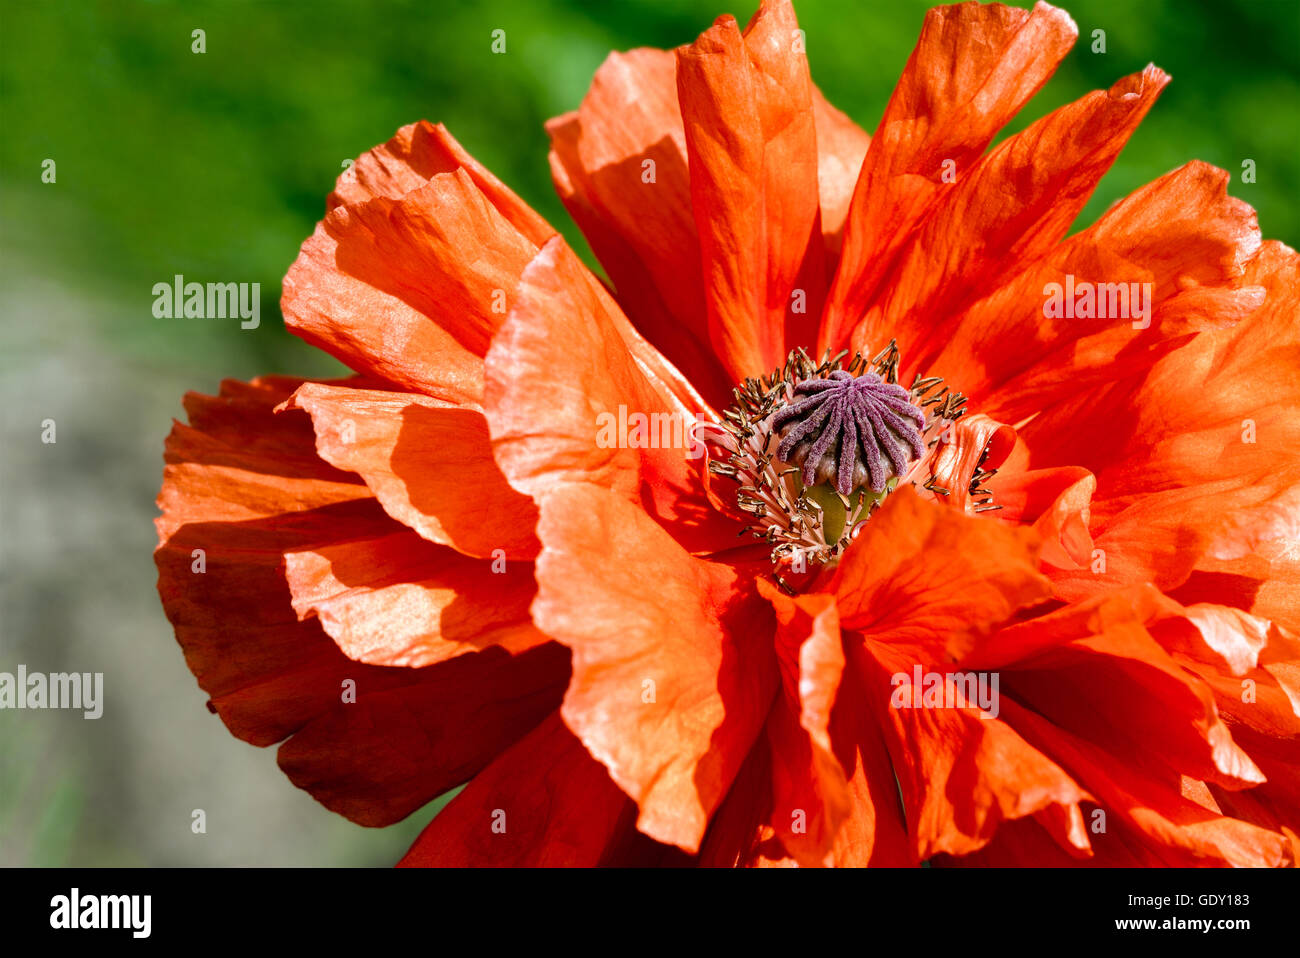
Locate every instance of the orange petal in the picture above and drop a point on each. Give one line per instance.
(1056, 502)
(673, 672)
(428, 462)
(245, 486)
(1011, 208)
(924, 576)
(841, 147)
(401, 601)
(436, 266)
(619, 164)
(1219, 635)
(1265, 583)
(1182, 234)
(1195, 458)
(962, 773)
(561, 380)
(240, 487)
(973, 68)
(809, 789)
(416, 154)
(1263, 702)
(746, 105)
(973, 442)
(1264, 706)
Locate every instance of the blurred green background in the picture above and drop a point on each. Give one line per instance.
(216, 166)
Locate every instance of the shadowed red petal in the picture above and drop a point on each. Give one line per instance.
(237, 490)
(820, 726)
(244, 486)
(1265, 583)
(1262, 706)
(413, 734)
(961, 772)
(1072, 665)
(1179, 830)
(740, 834)
(809, 790)
(543, 803)
(875, 831)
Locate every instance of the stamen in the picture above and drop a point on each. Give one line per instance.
(814, 447)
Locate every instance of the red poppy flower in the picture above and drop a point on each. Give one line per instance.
(990, 557)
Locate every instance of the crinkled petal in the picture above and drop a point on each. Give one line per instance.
(416, 154)
(746, 104)
(399, 600)
(428, 462)
(923, 576)
(974, 67)
(243, 486)
(410, 290)
(1182, 234)
(673, 670)
(1011, 208)
(564, 394)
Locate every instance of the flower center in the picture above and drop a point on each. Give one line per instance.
(816, 447)
(849, 431)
